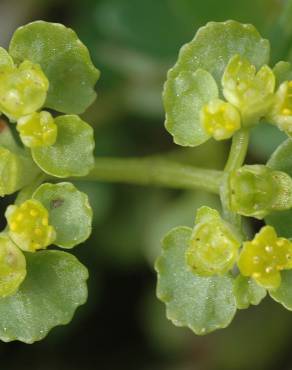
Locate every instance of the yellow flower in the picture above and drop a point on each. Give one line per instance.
(264, 257)
(23, 90)
(214, 245)
(250, 91)
(37, 129)
(220, 119)
(29, 226)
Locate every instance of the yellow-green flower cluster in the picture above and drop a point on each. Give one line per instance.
(23, 92)
(214, 249)
(250, 96)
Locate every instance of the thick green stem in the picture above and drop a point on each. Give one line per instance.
(155, 171)
(235, 160)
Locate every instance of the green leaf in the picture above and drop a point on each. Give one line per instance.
(65, 61)
(69, 212)
(184, 96)
(72, 153)
(281, 160)
(214, 45)
(283, 294)
(54, 287)
(247, 292)
(283, 72)
(203, 304)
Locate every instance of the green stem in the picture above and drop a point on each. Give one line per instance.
(238, 150)
(154, 171)
(235, 160)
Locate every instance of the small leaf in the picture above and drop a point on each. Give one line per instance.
(283, 72)
(281, 160)
(283, 294)
(72, 153)
(203, 304)
(54, 287)
(65, 61)
(184, 96)
(69, 212)
(247, 292)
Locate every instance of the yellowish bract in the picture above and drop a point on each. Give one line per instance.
(220, 119)
(23, 90)
(12, 266)
(249, 90)
(264, 257)
(37, 129)
(214, 245)
(29, 226)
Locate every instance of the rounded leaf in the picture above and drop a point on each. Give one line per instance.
(184, 96)
(72, 153)
(214, 45)
(65, 61)
(54, 287)
(283, 294)
(283, 72)
(69, 212)
(203, 304)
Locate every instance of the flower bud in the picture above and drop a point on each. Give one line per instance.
(281, 113)
(37, 129)
(16, 171)
(256, 190)
(220, 119)
(23, 90)
(264, 257)
(29, 226)
(12, 266)
(251, 92)
(214, 245)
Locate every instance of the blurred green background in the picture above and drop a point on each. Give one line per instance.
(123, 326)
